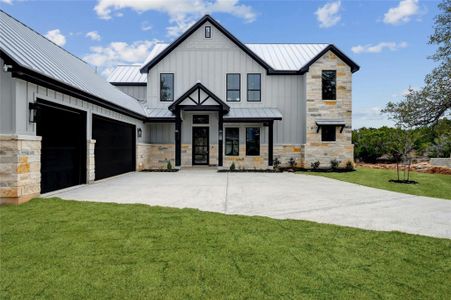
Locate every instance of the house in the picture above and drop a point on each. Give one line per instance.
(205, 99)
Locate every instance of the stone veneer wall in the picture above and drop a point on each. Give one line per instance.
(317, 108)
(90, 161)
(20, 168)
(248, 162)
(154, 156)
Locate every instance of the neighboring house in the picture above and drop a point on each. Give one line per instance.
(204, 99)
(212, 100)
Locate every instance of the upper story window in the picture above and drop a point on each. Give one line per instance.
(329, 84)
(167, 87)
(254, 90)
(233, 87)
(207, 32)
(232, 141)
(328, 133)
(252, 141)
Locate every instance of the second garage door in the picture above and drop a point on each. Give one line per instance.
(115, 147)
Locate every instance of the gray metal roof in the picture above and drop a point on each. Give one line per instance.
(280, 57)
(159, 113)
(253, 113)
(127, 74)
(34, 52)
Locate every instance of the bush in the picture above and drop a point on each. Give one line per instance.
(315, 165)
(276, 163)
(169, 165)
(292, 162)
(232, 166)
(334, 164)
(349, 165)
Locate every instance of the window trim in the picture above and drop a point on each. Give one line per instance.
(205, 32)
(322, 85)
(334, 131)
(259, 141)
(173, 87)
(254, 90)
(235, 90)
(225, 141)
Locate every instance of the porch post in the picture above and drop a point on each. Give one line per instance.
(220, 138)
(270, 143)
(178, 138)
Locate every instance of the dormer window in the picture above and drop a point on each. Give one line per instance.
(207, 32)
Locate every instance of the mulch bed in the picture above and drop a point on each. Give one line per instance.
(423, 167)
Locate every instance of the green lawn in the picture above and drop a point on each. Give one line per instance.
(431, 185)
(62, 249)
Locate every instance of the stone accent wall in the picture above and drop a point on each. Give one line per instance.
(90, 161)
(317, 108)
(248, 162)
(20, 168)
(441, 162)
(154, 156)
(285, 152)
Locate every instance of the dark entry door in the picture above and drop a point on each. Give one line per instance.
(114, 148)
(63, 147)
(201, 147)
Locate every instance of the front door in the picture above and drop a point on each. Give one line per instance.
(201, 147)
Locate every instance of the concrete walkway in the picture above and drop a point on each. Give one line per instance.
(284, 196)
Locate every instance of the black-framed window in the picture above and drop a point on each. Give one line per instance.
(201, 119)
(329, 84)
(232, 141)
(252, 141)
(233, 87)
(207, 32)
(254, 87)
(328, 133)
(167, 87)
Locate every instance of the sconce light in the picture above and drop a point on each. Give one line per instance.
(33, 116)
(220, 135)
(140, 132)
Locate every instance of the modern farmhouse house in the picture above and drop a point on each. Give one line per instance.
(205, 99)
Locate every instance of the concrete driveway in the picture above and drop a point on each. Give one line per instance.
(283, 196)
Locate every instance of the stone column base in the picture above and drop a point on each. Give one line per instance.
(20, 168)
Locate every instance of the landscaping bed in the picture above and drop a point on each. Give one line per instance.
(161, 170)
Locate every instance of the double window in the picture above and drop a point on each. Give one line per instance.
(252, 141)
(233, 87)
(232, 141)
(254, 88)
(329, 84)
(167, 87)
(328, 133)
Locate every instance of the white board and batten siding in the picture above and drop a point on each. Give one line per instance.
(138, 92)
(198, 59)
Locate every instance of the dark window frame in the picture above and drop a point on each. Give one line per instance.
(238, 146)
(326, 94)
(329, 136)
(233, 90)
(254, 90)
(257, 144)
(207, 32)
(173, 84)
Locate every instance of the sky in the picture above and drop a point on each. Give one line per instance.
(388, 39)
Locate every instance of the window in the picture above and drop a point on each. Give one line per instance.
(254, 87)
(253, 141)
(329, 82)
(232, 141)
(328, 133)
(167, 87)
(200, 119)
(233, 84)
(207, 32)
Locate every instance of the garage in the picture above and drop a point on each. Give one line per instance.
(115, 147)
(63, 147)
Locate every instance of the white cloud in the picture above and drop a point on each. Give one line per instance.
(329, 14)
(370, 48)
(94, 35)
(145, 26)
(7, 1)
(369, 117)
(182, 13)
(116, 53)
(402, 13)
(56, 36)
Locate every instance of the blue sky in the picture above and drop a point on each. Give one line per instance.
(388, 39)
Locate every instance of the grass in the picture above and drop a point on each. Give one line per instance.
(431, 185)
(52, 248)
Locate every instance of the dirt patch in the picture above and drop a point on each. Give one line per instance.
(422, 167)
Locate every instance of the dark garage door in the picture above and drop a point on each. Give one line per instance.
(114, 148)
(63, 148)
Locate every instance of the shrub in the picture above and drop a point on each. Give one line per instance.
(232, 167)
(334, 164)
(349, 165)
(315, 165)
(169, 165)
(292, 162)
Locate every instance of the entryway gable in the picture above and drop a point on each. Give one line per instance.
(199, 97)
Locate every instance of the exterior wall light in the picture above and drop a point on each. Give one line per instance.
(33, 116)
(220, 135)
(140, 132)
(6, 67)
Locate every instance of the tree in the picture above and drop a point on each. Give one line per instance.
(427, 105)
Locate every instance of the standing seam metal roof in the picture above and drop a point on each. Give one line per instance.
(127, 74)
(34, 52)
